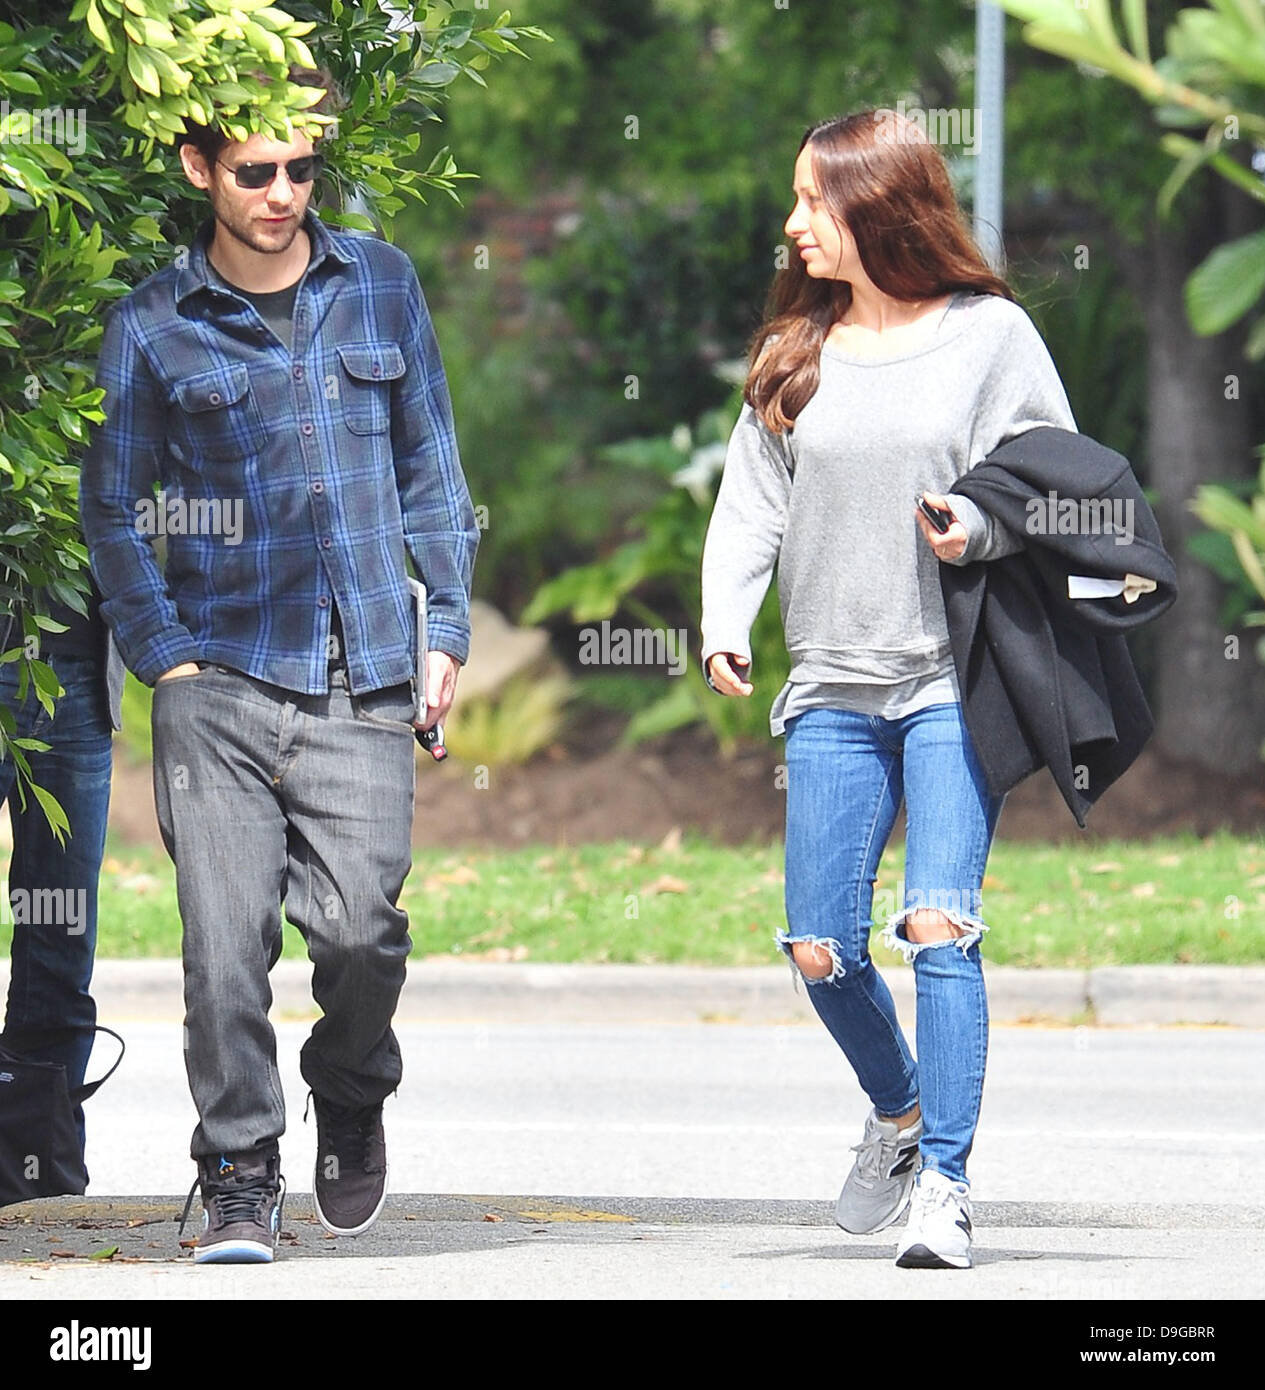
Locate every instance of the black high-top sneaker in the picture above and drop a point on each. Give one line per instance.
(242, 1195)
(350, 1186)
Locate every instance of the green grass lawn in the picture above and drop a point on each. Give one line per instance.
(1169, 901)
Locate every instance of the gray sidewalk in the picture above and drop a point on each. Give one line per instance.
(489, 1248)
(689, 1159)
(444, 991)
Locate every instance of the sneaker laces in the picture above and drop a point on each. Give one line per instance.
(931, 1196)
(869, 1152)
(239, 1196)
(347, 1130)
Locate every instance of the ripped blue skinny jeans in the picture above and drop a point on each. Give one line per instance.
(846, 775)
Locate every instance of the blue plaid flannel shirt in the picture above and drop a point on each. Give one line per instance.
(290, 479)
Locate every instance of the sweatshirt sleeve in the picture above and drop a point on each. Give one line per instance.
(1022, 393)
(744, 534)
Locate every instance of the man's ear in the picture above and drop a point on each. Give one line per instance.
(195, 166)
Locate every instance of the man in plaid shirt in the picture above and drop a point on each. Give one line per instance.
(282, 389)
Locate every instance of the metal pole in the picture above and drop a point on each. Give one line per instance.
(990, 98)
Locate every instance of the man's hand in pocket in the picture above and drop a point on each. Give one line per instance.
(186, 668)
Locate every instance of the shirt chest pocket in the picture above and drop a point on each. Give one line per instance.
(364, 385)
(220, 414)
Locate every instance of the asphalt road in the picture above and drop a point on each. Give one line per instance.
(697, 1160)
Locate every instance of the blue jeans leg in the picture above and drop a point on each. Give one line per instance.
(843, 792)
(950, 819)
(847, 774)
(50, 1015)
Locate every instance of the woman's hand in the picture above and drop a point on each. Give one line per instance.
(952, 543)
(726, 681)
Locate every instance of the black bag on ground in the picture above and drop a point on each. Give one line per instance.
(39, 1140)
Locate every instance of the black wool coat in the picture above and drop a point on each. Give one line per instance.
(1047, 680)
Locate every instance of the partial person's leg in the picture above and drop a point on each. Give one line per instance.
(843, 792)
(349, 802)
(349, 799)
(950, 819)
(53, 887)
(216, 737)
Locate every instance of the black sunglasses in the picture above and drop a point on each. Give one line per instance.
(261, 175)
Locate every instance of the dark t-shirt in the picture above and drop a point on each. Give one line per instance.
(276, 307)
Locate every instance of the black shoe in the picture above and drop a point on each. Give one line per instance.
(351, 1167)
(242, 1196)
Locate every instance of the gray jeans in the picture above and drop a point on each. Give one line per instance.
(265, 797)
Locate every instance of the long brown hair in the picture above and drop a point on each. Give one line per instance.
(878, 173)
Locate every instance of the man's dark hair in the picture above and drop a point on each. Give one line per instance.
(209, 140)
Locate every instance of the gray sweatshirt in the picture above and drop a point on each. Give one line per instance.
(832, 505)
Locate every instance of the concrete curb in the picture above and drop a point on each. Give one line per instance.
(447, 991)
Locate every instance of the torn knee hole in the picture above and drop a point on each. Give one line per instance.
(817, 959)
(815, 962)
(917, 929)
(927, 924)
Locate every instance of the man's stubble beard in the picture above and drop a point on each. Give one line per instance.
(239, 228)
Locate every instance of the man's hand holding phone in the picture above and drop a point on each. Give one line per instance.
(441, 689)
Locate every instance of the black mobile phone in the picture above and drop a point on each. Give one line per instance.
(940, 517)
(432, 740)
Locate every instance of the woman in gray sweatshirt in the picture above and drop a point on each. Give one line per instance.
(890, 360)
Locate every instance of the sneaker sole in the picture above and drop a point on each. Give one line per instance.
(351, 1230)
(234, 1252)
(923, 1257)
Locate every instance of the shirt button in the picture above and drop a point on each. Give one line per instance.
(318, 486)
(377, 369)
(322, 602)
(307, 427)
(298, 373)
(326, 542)
(215, 398)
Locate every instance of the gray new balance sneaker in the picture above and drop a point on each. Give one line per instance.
(878, 1187)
